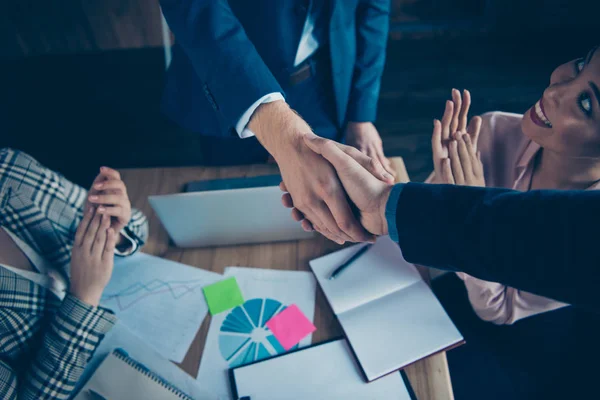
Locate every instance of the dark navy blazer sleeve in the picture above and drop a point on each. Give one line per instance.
(544, 242)
(233, 74)
(372, 27)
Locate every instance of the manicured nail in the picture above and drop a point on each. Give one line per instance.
(93, 197)
(98, 185)
(101, 209)
(387, 176)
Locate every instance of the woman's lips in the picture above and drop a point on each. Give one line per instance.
(538, 116)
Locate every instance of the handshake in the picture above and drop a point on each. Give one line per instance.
(365, 182)
(321, 178)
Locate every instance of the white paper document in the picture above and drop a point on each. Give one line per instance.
(121, 337)
(239, 336)
(159, 300)
(324, 371)
(388, 313)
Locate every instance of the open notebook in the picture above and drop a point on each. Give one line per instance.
(323, 371)
(388, 313)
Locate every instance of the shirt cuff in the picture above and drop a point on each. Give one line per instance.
(131, 249)
(240, 127)
(390, 211)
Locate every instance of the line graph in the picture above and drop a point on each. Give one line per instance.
(138, 291)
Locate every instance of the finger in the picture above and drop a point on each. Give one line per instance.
(319, 226)
(447, 172)
(116, 186)
(283, 187)
(90, 234)
(107, 198)
(336, 226)
(339, 158)
(474, 129)
(457, 172)
(465, 159)
(110, 173)
(307, 226)
(100, 240)
(464, 111)
(446, 121)
(297, 215)
(111, 243)
(83, 226)
(368, 162)
(113, 211)
(457, 107)
(478, 165)
(385, 162)
(286, 200)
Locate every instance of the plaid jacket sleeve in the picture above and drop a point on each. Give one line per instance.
(44, 208)
(44, 344)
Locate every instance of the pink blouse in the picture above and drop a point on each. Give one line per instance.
(508, 159)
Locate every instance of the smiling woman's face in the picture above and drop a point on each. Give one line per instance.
(566, 119)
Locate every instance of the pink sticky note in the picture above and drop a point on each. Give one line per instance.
(290, 326)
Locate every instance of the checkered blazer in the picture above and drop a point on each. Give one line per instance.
(45, 343)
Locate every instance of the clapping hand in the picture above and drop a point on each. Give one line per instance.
(454, 144)
(92, 257)
(108, 195)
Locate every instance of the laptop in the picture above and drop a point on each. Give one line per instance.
(227, 212)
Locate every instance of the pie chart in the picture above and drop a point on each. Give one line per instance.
(243, 336)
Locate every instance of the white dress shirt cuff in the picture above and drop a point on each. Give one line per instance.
(240, 127)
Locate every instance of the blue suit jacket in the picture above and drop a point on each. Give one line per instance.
(544, 242)
(231, 53)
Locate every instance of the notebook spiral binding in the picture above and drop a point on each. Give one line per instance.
(124, 356)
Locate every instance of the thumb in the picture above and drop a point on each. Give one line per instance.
(347, 168)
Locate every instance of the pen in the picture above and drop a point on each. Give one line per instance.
(95, 395)
(349, 261)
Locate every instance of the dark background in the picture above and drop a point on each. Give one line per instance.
(81, 80)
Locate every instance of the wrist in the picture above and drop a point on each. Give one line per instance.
(91, 299)
(383, 200)
(275, 125)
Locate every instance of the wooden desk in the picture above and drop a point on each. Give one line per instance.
(430, 377)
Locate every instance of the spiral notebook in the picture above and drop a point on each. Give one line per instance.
(120, 377)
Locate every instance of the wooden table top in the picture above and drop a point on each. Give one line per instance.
(430, 377)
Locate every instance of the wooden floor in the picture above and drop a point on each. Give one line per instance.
(75, 112)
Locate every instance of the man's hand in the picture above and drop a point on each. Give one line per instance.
(108, 195)
(364, 136)
(454, 122)
(311, 181)
(368, 193)
(92, 257)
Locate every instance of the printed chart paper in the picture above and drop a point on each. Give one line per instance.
(159, 300)
(240, 335)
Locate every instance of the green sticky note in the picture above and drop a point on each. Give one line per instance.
(223, 295)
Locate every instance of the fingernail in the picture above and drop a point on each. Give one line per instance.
(387, 176)
(93, 197)
(101, 209)
(98, 185)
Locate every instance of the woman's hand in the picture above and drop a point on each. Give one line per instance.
(454, 122)
(464, 166)
(92, 257)
(109, 196)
